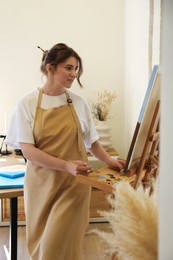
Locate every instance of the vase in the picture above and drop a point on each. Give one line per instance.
(103, 130)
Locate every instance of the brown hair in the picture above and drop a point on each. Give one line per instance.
(58, 54)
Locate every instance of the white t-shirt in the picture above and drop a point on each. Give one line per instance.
(22, 122)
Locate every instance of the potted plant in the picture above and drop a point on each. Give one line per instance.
(101, 108)
(101, 111)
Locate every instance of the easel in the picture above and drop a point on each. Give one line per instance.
(148, 166)
(149, 162)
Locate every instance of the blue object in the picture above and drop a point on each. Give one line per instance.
(12, 173)
(6, 183)
(102, 176)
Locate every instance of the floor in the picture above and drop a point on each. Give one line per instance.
(94, 247)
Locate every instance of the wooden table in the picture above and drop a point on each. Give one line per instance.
(13, 195)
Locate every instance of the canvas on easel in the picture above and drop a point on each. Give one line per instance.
(148, 166)
(144, 121)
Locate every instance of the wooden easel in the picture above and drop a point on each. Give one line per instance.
(149, 162)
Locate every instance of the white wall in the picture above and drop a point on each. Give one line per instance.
(94, 28)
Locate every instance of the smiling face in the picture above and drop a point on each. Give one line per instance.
(67, 71)
(64, 74)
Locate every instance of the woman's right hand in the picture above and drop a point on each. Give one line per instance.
(40, 158)
(78, 167)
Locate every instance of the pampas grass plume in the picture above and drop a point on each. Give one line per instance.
(134, 223)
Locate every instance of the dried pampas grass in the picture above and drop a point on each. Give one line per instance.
(101, 108)
(134, 224)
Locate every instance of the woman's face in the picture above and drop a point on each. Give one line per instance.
(65, 72)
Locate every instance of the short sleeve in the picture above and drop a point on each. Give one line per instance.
(21, 126)
(90, 134)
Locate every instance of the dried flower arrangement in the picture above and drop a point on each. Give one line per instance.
(101, 108)
(134, 223)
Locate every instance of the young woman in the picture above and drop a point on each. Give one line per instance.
(53, 127)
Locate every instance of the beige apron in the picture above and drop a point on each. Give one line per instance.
(57, 206)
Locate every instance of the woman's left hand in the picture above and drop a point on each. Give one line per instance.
(116, 164)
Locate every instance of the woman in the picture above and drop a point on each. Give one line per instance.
(53, 127)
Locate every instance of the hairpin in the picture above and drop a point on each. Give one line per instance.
(41, 49)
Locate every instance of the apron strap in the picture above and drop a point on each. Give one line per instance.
(39, 98)
(70, 103)
(38, 104)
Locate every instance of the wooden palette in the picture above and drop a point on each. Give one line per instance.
(104, 179)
